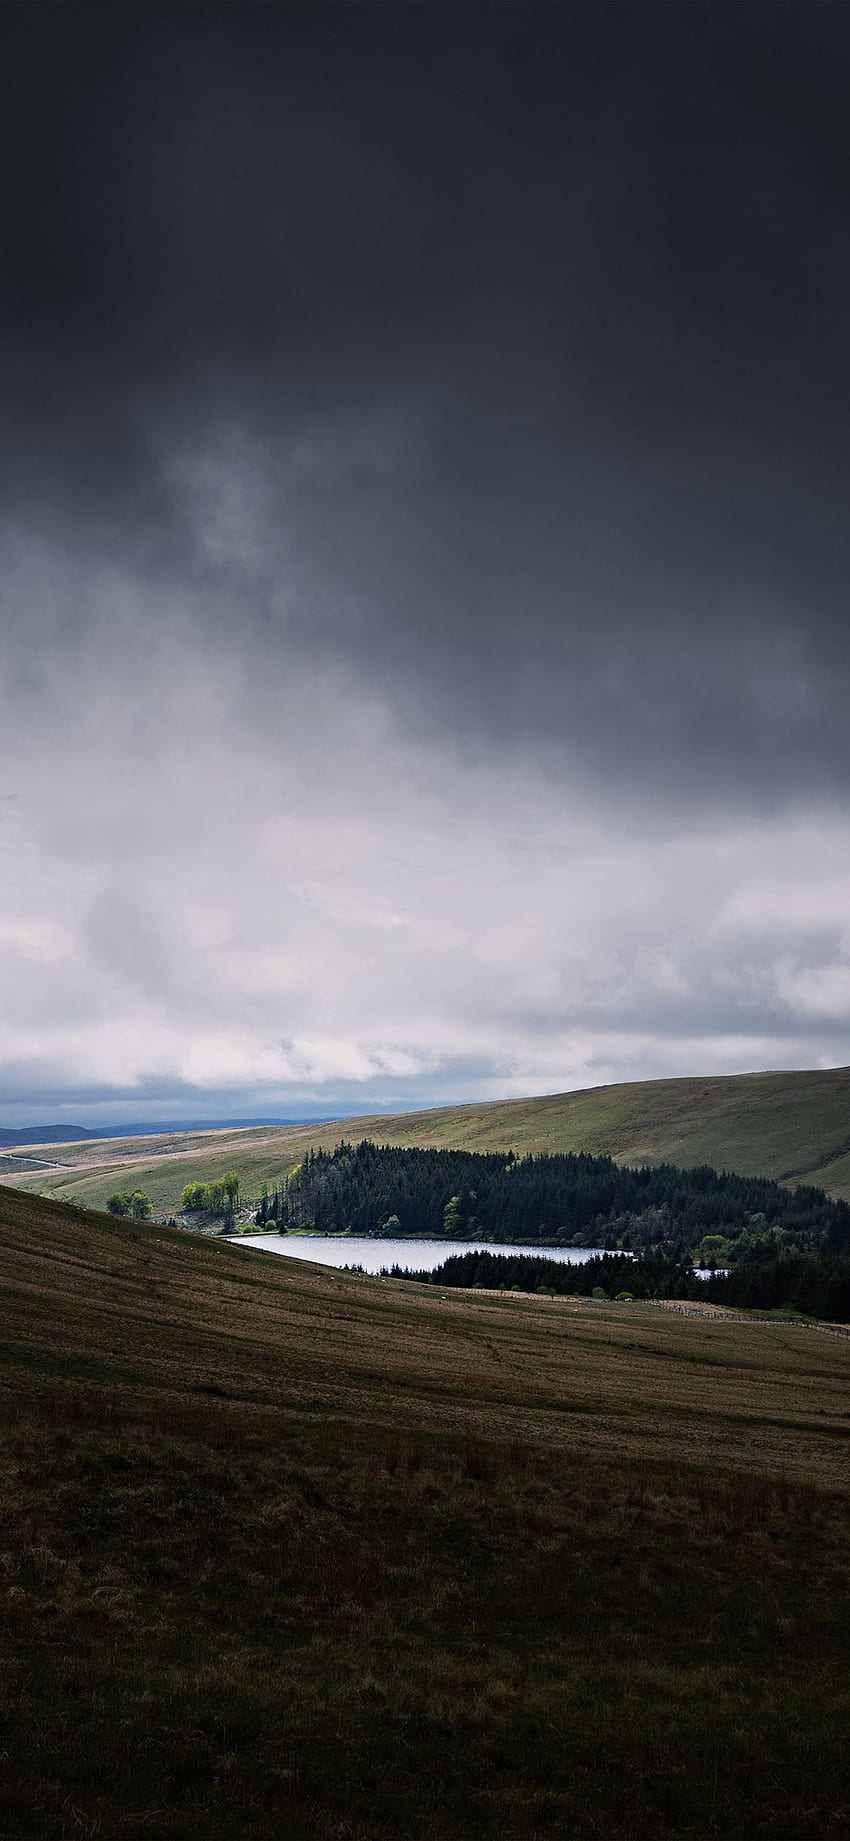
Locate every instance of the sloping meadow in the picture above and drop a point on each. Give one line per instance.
(789, 1126)
(292, 1551)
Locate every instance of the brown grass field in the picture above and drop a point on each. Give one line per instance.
(288, 1552)
(792, 1126)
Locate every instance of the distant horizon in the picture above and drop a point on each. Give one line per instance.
(135, 1127)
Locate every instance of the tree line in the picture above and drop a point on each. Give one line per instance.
(811, 1285)
(573, 1198)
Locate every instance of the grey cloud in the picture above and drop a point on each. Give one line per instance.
(424, 537)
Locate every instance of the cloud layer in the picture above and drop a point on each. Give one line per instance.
(424, 553)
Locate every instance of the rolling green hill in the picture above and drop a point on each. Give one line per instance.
(794, 1127)
(293, 1551)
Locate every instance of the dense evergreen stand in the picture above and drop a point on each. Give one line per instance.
(786, 1248)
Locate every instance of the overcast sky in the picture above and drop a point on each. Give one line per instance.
(425, 525)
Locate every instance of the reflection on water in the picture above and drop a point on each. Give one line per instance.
(416, 1255)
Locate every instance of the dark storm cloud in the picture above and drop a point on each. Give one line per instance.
(579, 276)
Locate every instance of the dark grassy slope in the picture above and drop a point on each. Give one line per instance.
(790, 1126)
(288, 1551)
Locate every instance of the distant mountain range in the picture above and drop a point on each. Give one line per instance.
(46, 1134)
(75, 1134)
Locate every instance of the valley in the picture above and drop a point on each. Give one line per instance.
(791, 1126)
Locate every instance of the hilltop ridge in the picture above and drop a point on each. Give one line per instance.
(793, 1126)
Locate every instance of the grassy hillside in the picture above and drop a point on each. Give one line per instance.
(793, 1127)
(291, 1551)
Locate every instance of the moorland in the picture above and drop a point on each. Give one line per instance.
(791, 1126)
(287, 1550)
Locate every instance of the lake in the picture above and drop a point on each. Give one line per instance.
(417, 1255)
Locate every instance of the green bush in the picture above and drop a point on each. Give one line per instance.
(219, 1197)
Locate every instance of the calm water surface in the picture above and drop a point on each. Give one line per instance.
(416, 1255)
